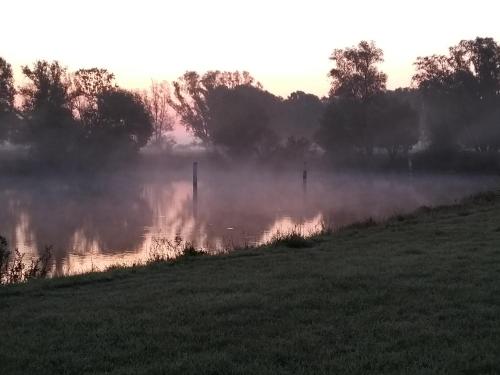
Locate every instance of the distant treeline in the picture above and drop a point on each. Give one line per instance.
(449, 117)
(452, 109)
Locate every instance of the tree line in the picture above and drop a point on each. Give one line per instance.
(451, 109)
(452, 106)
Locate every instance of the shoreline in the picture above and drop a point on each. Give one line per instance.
(283, 240)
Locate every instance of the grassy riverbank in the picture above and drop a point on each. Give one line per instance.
(418, 294)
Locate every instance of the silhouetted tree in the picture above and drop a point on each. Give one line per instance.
(461, 95)
(48, 111)
(341, 127)
(115, 123)
(396, 123)
(239, 119)
(477, 65)
(301, 114)
(191, 95)
(123, 124)
(355, 74)
(392, 124)
(446, 100)
(7, 92)
(88, 85)
(156, 100)
(356, 81)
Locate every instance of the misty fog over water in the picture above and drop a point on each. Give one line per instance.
(92, 170)
(122, 218)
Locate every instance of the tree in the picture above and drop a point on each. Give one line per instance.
(239, 120)
(115, 122)
(461, 94)
(48, 89)
(477, 69)
(433, 73)
(301, 114)
(393, 125)
(47, 108)
(7, 92)
(88, 85)
(123, 123)
(355, 74)
(156, 100)
(478, 61)
(191, 95)
(339, 131)
(396, 123)
(356, 81)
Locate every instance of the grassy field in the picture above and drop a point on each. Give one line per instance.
(418, 294)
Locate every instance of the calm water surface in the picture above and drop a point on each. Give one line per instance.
(126, 218)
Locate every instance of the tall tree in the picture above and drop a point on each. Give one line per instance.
(340, 128)
(191, 95)
(48, 89)
(156, 100)
(356, 81)
(7, 90)
(356, 74)
(124, 124)
(396, 123)
(88, 85)
(47, 108)
(461, 92)
(301, 114)
(240, 120)
(115, 122)
(7, 93)
(478, 61)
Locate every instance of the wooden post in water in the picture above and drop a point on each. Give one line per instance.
(195, 189)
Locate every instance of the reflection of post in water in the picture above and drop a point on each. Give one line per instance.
(303, 208)
(304, 180)
(195, 189)
(410, 166)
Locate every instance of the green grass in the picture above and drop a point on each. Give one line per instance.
(418, 294)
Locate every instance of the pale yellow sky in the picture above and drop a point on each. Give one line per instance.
(284, 44)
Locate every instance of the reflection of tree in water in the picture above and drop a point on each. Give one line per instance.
(117, 219)
(11, 219)
(238, 207)
(232, 211)
(172, 214)
(78, 216)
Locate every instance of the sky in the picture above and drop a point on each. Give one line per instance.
(284, 44)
